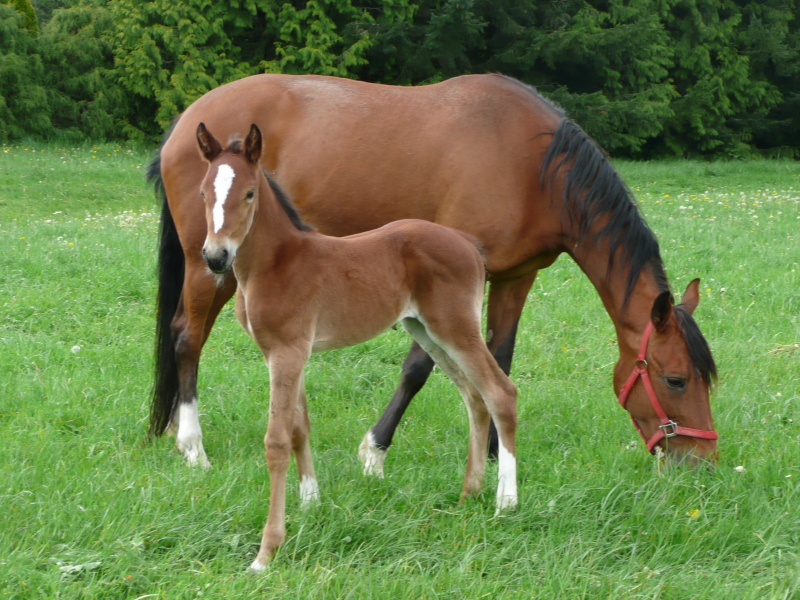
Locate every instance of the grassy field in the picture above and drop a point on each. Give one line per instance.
(91, 510)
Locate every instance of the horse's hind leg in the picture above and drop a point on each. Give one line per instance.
(372, 451)
(201, 301)
(476, 408)
(503, 311)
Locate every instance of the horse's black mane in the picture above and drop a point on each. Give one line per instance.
(593, 190)
(287, 206)
(699, 352)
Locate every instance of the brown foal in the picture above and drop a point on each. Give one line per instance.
(301, 292)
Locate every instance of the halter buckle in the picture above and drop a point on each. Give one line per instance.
(670, 428)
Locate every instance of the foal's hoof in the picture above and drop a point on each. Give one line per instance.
(371, 456)
(259, 566)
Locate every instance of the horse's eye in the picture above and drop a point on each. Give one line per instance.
(676, 383)
(202, 194)
(250, 195)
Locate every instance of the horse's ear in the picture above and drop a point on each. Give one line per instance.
(662, 310)
(691, 297)
(209, 146)
(252, 145)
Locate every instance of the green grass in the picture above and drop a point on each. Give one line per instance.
(91, 510)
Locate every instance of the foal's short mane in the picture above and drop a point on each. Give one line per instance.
(286, 204)
(593, 190)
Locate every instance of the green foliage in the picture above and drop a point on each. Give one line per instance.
(712, 79)
(45, 9)
(29, 19)
(771, 40)
(172, 53)
(24, 109)
(643, 77)
(86, 100)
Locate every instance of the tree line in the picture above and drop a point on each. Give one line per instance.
(645, 78)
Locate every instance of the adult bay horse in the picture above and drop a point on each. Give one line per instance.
(301, 292)
(484, 154)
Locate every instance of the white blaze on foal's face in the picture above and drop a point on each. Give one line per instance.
(222, 185)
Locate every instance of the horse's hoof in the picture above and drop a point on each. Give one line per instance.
(371, 456)
(505, 504)
(195, 456)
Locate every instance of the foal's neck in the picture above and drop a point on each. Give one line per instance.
(272, 235)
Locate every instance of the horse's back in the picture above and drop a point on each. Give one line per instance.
(354, 156)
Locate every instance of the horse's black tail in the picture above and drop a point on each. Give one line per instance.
(171, 267)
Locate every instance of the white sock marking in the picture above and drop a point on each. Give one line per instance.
(189, 438)
(309, 491)
(506, 479)
(371, 456)
(222, 185)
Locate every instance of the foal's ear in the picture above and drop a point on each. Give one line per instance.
(252, 145)
(691, 297)
(662, 310)
(209, 146)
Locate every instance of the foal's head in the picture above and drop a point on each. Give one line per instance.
(680, 368)
(230, 191)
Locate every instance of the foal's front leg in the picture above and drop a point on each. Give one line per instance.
(286, 375)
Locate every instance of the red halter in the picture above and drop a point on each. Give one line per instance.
(668, 427)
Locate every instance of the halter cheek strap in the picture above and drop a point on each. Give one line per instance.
(668, 427)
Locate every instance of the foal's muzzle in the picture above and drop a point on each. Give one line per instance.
(219, 260)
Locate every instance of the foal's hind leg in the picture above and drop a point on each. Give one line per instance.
(506, 300)
(201, 301)
(476, 408)
(466, 349)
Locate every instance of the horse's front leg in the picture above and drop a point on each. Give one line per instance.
(286, 369)
(201, 301)
(506, 300)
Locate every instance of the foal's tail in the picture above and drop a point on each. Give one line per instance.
(171, 267)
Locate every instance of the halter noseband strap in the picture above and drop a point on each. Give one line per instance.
(668, 427)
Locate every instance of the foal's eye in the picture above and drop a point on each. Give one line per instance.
(250, 195)
(676, 383)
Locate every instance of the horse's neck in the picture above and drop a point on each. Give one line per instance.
(630, 316)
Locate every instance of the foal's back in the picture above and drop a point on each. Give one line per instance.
(357, 286)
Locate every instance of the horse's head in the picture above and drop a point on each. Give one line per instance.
(665, 387)
(230, 192)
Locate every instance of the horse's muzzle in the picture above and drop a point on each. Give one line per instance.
(218, 260)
